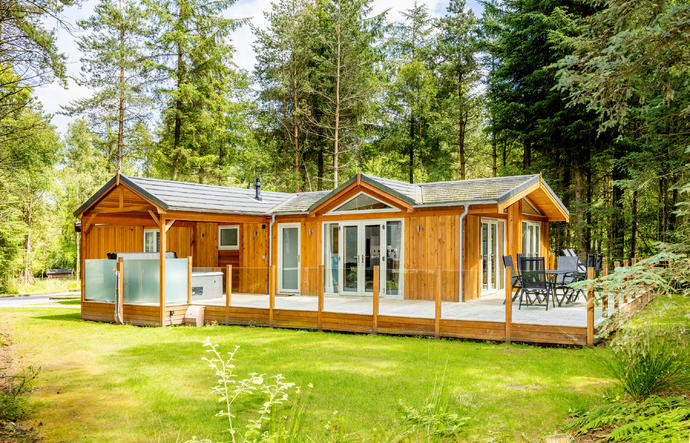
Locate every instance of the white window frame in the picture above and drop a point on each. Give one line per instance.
(537, 225)
(158, 243)
(281, 227)
(229, 247)
(390, 208)
(498, 266)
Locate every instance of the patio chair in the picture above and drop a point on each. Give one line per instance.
(516, 284)
(562, 282)
(536, 286)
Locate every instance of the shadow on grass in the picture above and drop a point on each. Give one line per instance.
(71, 317)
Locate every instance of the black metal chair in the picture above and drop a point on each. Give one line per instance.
(569, 266)
(515, 282)
(534, 282)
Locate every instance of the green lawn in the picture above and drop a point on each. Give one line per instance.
(102, 382)
(46, 286)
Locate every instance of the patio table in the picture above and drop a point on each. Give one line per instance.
(555, 274)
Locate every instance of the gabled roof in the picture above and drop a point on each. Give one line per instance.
(194, 197)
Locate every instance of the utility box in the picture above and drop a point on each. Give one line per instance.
(194, 316)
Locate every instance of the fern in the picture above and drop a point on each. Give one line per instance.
(655, 419)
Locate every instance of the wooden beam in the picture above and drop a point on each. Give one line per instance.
(320, 295)
(605, 300)
(120, 291)
(590, 308)
(169, 225)
(228, 285)
(155, 218)
(189, 280)
(375, 299)
(508, 285)
(272, 294)
(134, 208)
(437, 304)
(519, 196)
(121, 196)
(162, 270)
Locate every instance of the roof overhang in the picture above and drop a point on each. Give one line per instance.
(541, 194)
(365, 182)
(114, 182)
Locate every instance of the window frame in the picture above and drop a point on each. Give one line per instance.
(389, 208)
(158, 240)
(537, 226)
(228, 247)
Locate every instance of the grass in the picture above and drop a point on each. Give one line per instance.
(101, 382)
(45, 286)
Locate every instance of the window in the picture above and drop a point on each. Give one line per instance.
(229, 237)
(152, 240)
(363, 202)
(531, 233)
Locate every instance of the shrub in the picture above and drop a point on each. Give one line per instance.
(653, 420)
(13, 389)
(264, 425)
(649, 361)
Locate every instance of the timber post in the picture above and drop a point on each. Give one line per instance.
(161, 260)
(616, 302)
(605, 299)
(228, 285)
(120, 291)
(272, 294)
(508, 284)
(437, 304)
(189, 280)
(375, 299)
(319, 293)
(82, 260)
(625, 294)
(590, 308)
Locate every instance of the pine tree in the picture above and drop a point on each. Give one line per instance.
(112, 66)
(193, 56)
(459, 69)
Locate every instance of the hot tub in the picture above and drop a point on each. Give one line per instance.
(207, 286)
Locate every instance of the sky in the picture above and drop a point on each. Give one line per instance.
(54, 95)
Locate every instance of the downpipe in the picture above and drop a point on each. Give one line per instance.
(460, 272)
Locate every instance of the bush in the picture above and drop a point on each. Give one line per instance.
(13, 389)
(653, 420)
(649, 362)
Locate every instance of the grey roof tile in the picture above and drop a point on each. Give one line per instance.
(184, 196)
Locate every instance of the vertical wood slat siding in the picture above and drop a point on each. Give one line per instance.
(471, 264)
(253, 259)
(434, 244)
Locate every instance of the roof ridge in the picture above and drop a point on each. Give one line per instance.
(130, 177)
(476, 179)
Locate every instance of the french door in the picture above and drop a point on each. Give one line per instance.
(492, 244)
(352, 249)
(289, 257)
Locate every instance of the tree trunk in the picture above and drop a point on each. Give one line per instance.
(617, 218)
(494, 154)
(177, 131)
(336, 141)
(633, 227)
(320, 167)
(410, 152)
(579, 209)
(295, 129)
(461, 128)
(121, 113)
(527, 154)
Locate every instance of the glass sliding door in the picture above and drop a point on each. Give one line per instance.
(372, 254)
(331, 257)
(393, 283)
(351, 259)
(492, 248)
(289, 257)
(353, 248)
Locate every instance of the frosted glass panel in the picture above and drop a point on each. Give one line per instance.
(175, 281)
(141, 281)
(290, 278)
(99, 280)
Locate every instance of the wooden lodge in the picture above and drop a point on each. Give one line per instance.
(369, 239)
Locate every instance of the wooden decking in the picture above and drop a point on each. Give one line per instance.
(482, 319)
